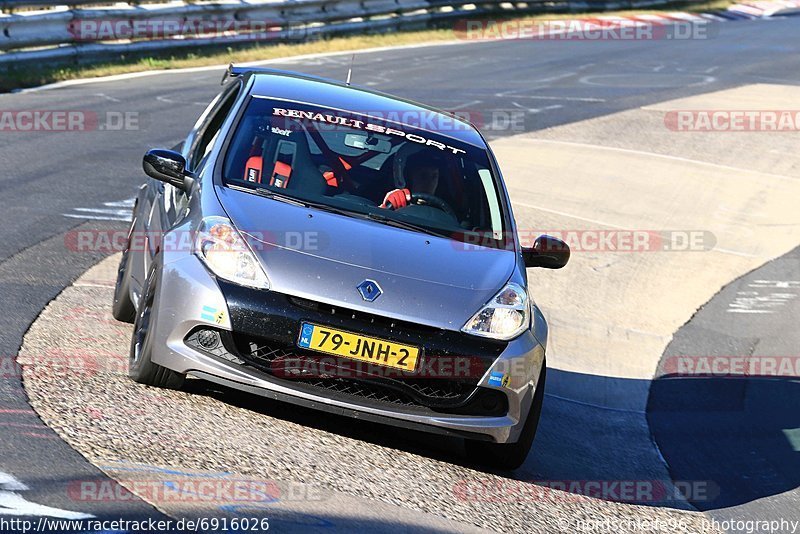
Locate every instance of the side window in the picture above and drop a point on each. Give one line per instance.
(175, 200)
(494, 203)
(208, 132)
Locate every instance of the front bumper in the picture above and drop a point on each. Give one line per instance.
(470, 387)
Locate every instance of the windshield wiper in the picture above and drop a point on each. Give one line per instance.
(306, 203)
(379, 217)
(277, 196)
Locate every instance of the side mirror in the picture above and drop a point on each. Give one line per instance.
(548, 252)
(167, 166)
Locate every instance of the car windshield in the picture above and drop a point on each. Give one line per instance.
(359, 165)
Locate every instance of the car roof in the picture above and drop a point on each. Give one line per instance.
(290, 86)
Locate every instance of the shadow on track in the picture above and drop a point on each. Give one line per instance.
(725, 440)
(740, 434)
(734, 420)
(578, 447)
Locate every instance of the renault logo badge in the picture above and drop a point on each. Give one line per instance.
(370, 290)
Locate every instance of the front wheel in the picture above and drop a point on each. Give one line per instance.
(140, 365)
(510, 456)
(122, 308)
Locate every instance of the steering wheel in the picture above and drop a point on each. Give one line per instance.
(424, 199)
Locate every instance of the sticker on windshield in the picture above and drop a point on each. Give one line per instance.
(327, 118)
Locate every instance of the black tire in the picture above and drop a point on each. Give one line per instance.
(123, 309)
(140, 366)
(509, 456)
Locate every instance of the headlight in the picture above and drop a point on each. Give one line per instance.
(505, 317)
(223, 250)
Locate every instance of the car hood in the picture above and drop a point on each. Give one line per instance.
(324, 256)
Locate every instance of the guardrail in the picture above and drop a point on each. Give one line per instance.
(47, 31)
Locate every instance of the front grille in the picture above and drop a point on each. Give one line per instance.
(304, 371)
(363, 390)
(265, 332)
(310, 369)
(297, 364)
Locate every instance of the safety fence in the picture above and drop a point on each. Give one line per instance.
(50, 32)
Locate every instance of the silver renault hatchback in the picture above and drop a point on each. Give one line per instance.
(341, 249)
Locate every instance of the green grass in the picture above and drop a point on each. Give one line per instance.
(26, 76)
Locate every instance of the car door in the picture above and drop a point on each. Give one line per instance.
(168, 204)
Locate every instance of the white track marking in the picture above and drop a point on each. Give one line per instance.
(537, 84)
(736, 253)
(536, 110)
(9, 483)
(89, 284)
(756, 301)
(469, 104)
(11, 503)
(679, 15)
(120, 213)
(568, 98)
(564, 214)
(96, 217)
(587, 80)
(713, 18)
(167, 100)
(612, 225)
(778, 80)
(119, 210)
(776, 284)
(109, 98)
(121, 203)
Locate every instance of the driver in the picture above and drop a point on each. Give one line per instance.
(422, 175)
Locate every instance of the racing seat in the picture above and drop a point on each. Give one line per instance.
(285, 161)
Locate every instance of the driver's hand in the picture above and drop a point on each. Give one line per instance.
(396, 199)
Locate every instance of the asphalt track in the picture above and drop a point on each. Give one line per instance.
(743, 429)
(52, 182)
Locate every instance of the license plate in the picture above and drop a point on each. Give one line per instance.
(358, 347)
